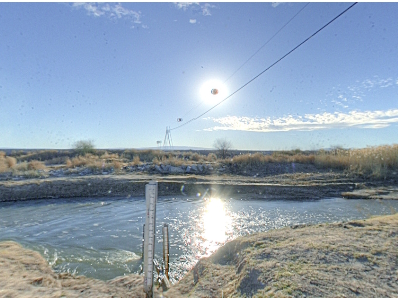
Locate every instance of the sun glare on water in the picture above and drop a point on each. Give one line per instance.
(210, 97)
(216, 222)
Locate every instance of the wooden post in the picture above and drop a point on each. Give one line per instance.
(166, 253)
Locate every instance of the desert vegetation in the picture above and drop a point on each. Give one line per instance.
(375, 162)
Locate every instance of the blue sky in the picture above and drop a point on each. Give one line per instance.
(119, 73)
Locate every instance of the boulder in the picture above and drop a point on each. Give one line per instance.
(159, 169)
(176, 170)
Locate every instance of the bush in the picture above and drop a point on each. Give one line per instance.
(136, 161)
(146, 155)
(211, 157)
(6, 162)
(36, 165)
(84, 147)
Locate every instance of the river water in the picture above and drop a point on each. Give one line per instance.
(102, 238)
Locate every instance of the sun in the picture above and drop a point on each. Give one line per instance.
(213, 91)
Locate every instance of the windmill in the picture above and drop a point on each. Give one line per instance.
(168, 142)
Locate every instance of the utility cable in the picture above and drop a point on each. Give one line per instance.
(271, 38)
(255, 53)
(273, 64)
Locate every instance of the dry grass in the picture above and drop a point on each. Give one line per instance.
(327, 260)
(335, 159)
(36, 165)
(6, 162)
(136, 161)
(379, 162)
(376, 161)
(144, 155)
(258, 159)
(112, 156)
(95, 163)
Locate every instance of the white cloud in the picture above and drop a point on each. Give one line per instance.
(91, 8)
(203, 8)
(184, 5)
(275, 4)
(308, 122)
(360, 90)
(206, 9)
(192, 21)
(110, 10)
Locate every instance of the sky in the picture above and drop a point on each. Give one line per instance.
(118, 74)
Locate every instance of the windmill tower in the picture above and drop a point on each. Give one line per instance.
(168, 142)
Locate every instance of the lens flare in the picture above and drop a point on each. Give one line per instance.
(213, 91)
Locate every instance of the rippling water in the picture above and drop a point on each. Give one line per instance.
(102, 238)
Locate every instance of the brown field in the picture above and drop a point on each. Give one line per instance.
(374, 162)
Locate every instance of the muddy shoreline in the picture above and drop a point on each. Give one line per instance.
(286, 186)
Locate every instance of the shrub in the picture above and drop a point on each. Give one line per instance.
(20, 167)
(77, 162)
(211, 157)
(3, 166)
(84, 147)
(36, 165)
(106, 155)
(146, 155)
(11, 161)
(136, 161)
(117, 165)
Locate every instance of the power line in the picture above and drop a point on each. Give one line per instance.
(273, 64)
(255, 53)
(271, 38)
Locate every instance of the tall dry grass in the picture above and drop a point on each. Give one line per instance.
(146, 155)
(379, 161)
(258, 159)
(6, 162)
(94, 162)
(376, 161)
(334, 159)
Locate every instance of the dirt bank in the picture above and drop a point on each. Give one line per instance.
(326, 260)
(285, 186)
(25, 273)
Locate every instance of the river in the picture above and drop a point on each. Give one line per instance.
(102, 238)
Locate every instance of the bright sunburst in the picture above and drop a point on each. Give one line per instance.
(215, 221)
(206, 94)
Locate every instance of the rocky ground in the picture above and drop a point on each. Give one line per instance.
(351, 259)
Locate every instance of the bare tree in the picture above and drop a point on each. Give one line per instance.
(222, 146)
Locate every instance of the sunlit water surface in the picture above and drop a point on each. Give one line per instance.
(102, 238)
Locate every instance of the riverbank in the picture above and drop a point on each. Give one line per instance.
(25, 273)
(293, 186)
(325, 260)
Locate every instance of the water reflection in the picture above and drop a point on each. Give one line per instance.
(216, 224)
(103, 239)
